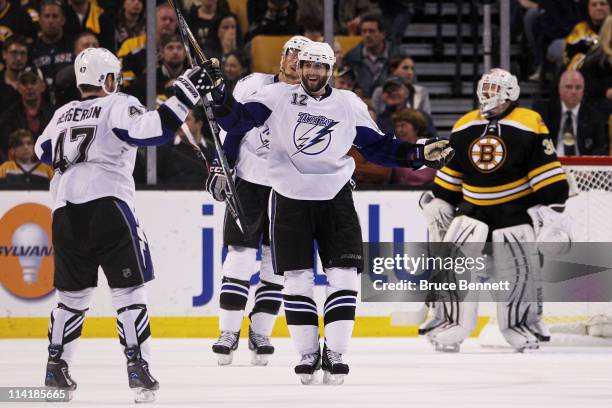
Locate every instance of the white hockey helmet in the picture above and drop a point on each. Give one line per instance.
(500, 86)
(297, 42)
(319, 52)
(93, 65)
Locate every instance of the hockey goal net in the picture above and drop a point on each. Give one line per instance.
(590, 209)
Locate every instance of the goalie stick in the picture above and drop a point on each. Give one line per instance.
(231, 200)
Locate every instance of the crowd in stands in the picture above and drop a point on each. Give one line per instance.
(569, 44)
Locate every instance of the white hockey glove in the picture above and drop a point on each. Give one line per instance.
(552, 229)
(185, 89)
(433, 152)
(216, 183)
(438, 214)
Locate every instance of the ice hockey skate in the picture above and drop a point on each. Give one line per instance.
(140, 379)
(308, 366)
(448, 339)
(225, 346)
(260, 347)
(520, 339)
(57, 376)
(334, 369)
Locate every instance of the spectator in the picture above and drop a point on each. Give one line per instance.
(173, 62)
(52, 50)
(347, 13)
(234, 68)
(88, 15)
(366, 172)
(409, 125)
(65, 80)
(404, 68)
(131, 23)
(556, 20)
(311, 27)
(202, 18)
(338, 53)
(576, 128)
(397, 15)
(527, 12)
(24, 169)
(272, 17)
(31, 112)
(226, 36)
(132, 52)
(396, 95)
(370, 59)
(585, 34)
(177, 162)
(13, 20)
(597, 70)
(15, 56)
(344, 78)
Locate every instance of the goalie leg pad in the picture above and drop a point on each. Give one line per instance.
(459, 317)
(66, 322)
(517, 262)
(301, 310)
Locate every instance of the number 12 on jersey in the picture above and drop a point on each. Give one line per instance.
(74, 149)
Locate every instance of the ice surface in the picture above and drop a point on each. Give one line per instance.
(398, 372)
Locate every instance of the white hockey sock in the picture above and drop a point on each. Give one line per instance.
(340, 307)
(66, 323)
(237, 269)
(132, 319)
(230, 320)
(268, 297)
(301, 310)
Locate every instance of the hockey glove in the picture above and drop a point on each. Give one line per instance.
(213, 82)
(184, 87)
(216, 183)
(552, 229)
(438, 214)
(433, 152)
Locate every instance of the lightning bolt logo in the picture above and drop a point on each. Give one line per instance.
(304, 141)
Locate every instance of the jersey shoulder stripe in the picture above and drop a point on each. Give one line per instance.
(527, 120)
(469, 119)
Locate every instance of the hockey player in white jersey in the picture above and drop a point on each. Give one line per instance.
(312, 127)
(249, 160)
(92, 146)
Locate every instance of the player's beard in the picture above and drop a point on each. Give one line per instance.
(313, 87)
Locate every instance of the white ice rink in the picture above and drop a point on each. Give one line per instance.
(395, 372)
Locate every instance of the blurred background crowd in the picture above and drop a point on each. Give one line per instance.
(407, 59)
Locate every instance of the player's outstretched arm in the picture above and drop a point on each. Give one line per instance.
(133, 124)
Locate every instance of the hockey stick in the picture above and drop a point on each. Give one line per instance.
(231, 200)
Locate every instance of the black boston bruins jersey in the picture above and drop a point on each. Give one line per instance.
(506, 163)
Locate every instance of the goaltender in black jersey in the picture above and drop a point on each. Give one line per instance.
(501, 168)
(505, 184)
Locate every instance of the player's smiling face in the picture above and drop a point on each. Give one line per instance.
(314, 76)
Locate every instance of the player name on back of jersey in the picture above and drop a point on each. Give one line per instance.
(78, 114)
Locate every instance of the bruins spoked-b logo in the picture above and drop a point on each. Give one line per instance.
(312, 134)
(488, 153)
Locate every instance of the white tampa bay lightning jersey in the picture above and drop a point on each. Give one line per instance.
(251, 155)
(310, 137)
(92, 145)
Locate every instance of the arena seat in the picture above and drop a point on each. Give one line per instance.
(239, 8)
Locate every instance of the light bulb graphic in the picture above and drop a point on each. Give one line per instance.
(28, 241)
